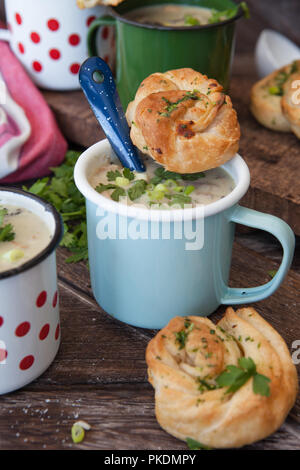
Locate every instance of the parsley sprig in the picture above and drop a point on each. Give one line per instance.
(196, 445)
(162, 175)
(61, 191)
(6, 231)
(234, 377)
(218, 16)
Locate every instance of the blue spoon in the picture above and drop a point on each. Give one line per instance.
(99, 87)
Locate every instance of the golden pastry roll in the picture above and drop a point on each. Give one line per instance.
(224, 385)
(275, 102)
(184, 121)
(93, 3)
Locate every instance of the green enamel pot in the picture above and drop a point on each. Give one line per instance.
(145, 49)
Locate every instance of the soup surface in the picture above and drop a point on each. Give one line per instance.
(22, 236)
(158, 188)
(171, 15)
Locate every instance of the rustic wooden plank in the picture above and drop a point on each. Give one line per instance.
(248, 269)
(122, 418)
(100, 376)
(95, 348)
(74, 117)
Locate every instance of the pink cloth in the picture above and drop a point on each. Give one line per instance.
(45, 146)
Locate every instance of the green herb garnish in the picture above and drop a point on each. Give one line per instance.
(112, 175)
(191, 21)
(7, 231)
(195, 445)
(117, 193)
(181, 337)
(204, 386)
(64, 195)
(161, 175)
(272, 273)
(218, 16)
(137, 189)
(190, 95)
(128, 174)
(234, 377)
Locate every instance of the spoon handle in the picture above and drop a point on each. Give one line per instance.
(99, 87)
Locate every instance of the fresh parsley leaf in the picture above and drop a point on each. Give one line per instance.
(112, 175)
(137, 189)
(218, 16)
(117, 193)
(195, 445)
(128, 174)
(261, 385)
(3, 212)
(105, 187)
(7, 233)
(234, 377)
(62, 192)
(193, 176)
(247, 364)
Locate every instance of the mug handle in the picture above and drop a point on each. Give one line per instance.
(5, 35)
(283, 232)
(92, 32)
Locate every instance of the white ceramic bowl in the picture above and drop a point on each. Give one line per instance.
(29, 312)
(272, 51)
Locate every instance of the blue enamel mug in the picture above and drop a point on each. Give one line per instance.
(149, 265)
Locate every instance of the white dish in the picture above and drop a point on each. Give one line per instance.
(272, 51)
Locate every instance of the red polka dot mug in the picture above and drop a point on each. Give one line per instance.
(49, 38)
(29, 308)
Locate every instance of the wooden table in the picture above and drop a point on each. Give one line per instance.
(99, 374)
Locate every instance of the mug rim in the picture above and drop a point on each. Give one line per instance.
(103, 146)
(52, 245)
(120, 17)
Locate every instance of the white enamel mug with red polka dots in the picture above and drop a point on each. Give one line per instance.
(29, 309)
(49, 38)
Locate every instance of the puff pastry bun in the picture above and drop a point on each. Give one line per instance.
(275, 102)
(93, 3)
(184, 121)
(185, 408)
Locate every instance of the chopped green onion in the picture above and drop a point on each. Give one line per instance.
(189, 189)
(77, 433)
(122, 181)
(13, 255)
(275, 90)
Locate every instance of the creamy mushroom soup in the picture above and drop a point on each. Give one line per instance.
(171, 15)
(161, 189)
(22, 236)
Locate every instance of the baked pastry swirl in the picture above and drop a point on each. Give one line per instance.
(275, 102)
(184, 121)
(93, 3)
(186, 360)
